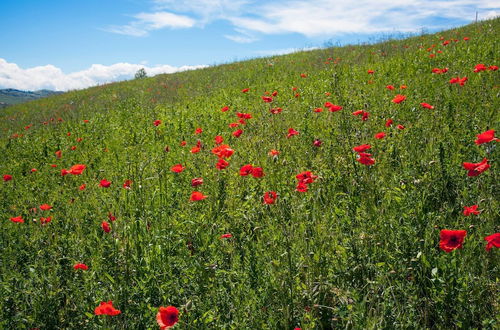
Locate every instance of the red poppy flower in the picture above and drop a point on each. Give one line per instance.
(493, 241)
(275, 111)
(257, 172)
(223, 151)
(33, 170)
(81, 266)
(273, 152)
(45, 207)
(106, 308)
(195, 150)
(53, 165)
(439, 71)
(365, 159)
(318, 110)
(226, 236)
(335, 108)
(77, 169)
(196, 182)
(246, 170)
(401, 127)
(177, 168)
(476, 168)
(7, 177)
(317, 143)
(468, 210)
(17, 219)
(237, 133)
(371, 72)
(45, 221)
(451, 239)
(105, 226)
(493, 68)
(398, 98)
(73, 148)
(127, 184)
(157, 122)
(427, 106)
(403, 87)
(270, 197)
(358, 112)
(362, 148)
(380, 135)
(167, 317)
(221, 164)
(244, 115)
(183, 143)
(267, 99)
(58, 154)
(389, 122)
(275, 93)
(291, 132)
(197, 196)
(303, 75)
(480, 67)
(104, 183)
(306, 177)
(390, 87)
(486, 137)
(111, 217)
(198, 130)
(224, 109)
(219, 139)
(82, 187)
(245, 90)
(458, 80)
(233, 125)
(301, 187)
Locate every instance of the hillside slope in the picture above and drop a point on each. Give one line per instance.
(353, 239)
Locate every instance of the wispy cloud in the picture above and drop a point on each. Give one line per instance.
(53, 78)
(319, 18)
(243, 37)
(146, 22)
(283, 51)
(330, 17)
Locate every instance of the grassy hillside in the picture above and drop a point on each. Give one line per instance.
(349, 245)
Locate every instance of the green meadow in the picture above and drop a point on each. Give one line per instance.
(360, 249)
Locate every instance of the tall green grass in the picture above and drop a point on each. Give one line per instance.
(360, 249)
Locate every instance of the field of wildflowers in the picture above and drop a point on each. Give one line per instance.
(348, 187)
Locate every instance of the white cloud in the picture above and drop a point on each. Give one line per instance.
(326, 18)
(146, 22)
(53, 78)
(330, 17)
(490, 14)
(206, 10)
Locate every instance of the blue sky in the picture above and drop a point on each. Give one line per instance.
(75, 44)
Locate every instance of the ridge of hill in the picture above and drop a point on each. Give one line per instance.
(346, 187)
(9, 96)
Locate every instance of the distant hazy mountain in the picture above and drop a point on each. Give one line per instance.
(13, 96)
